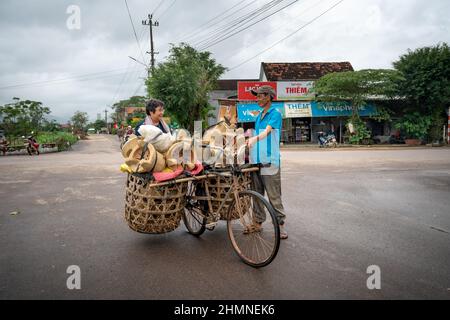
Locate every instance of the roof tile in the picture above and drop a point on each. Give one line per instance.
(296, 71)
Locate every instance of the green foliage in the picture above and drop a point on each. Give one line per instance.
(51, 126)
(98, 124)
(357, 86)
(22, 116)
(79, 121)
(133, 123)
(136, 114)
(360, 132)
(183, 83)
(63, 140)
(427, 78)
(427, 86)
(383, 114)
(438, 120)
(414, 125)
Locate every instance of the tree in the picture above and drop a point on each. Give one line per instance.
(119, 107)
(183, 83)
(427, 84)
(50, 126)
(23, 116)
(79, 121)
(358, 87)
(99, 124)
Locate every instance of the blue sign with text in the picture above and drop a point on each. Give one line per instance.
(247, 112)
(337, 109)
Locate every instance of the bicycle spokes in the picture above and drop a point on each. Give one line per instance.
(255, 234)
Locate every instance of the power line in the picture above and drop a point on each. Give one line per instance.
(236, 22)
(194, 32)
(125, 76)
(279, 27)
(167, 9)
(227, 35)
(134, 30)
(30, 84)
(157, 7)
(288, 36)
(239, 21)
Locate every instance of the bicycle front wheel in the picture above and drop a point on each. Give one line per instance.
(253, 229)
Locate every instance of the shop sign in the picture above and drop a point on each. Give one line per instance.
(247, 112)
(295, 90)
(245, 87)
(297, 109)
(340, 109)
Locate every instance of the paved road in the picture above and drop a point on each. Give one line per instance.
(347, 210)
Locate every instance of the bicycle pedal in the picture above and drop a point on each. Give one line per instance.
(211, 226)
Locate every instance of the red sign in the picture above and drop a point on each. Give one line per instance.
(245, 87)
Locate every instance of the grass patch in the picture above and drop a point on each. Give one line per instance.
(63, 140)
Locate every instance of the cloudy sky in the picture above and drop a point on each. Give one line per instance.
(44, 56)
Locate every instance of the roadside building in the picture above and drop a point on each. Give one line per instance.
(303, 116)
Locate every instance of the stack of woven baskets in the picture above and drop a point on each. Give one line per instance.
(154, 209)
(149, 207)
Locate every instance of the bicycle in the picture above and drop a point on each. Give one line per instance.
(256, 244)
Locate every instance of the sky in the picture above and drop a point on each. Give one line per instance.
(74, 55)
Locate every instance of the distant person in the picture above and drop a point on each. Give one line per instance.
(155, 111)
(4, 145)
(129, 131)
(120, 133)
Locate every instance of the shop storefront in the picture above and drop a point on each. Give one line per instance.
(297, 122)
(303, 117)
(303, 120)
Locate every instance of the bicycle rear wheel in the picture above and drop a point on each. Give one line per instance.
(256, 244)
(193, 216)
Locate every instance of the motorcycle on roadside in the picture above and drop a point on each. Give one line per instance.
(327, 139)
(31, 145)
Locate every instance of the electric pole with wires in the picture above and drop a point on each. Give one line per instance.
(106, 119)
(152, 24)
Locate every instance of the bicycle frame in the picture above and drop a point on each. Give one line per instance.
(235, 188)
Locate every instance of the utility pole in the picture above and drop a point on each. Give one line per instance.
(106, 118)
(152, 52)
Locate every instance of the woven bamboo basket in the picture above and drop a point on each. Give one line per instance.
(218, 187)
(153, 209)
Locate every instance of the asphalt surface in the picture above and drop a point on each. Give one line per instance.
(347, 210)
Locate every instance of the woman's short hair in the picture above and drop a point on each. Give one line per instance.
(152, 104)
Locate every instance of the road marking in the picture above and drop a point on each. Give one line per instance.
(15, 181)
(440, 230)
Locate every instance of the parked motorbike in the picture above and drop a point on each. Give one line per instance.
(327, 140)
(32, 145)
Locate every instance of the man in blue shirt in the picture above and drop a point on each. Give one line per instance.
(265, 147)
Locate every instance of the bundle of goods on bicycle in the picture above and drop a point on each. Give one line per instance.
(158, 153)
(155, 151)
(224, 140)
